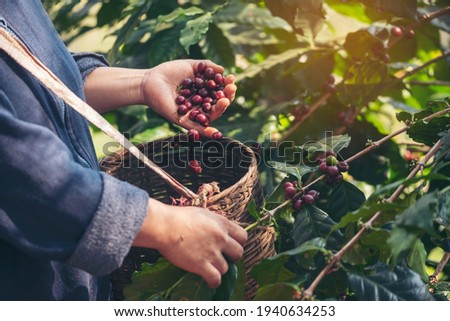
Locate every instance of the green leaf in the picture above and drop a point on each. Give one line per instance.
(419, 216)
(360, 43)
(191, 288)
(365, 81)
(412, 223)
(416, 259)
(178, 12)
(380, 283)
(334, 143)
(272, 270)
(366, 211)
(443, 215)
(163, 47)
(153, 279)
(429, 133)
(344, 198)
(401, 241)
(349, 9)
(270, 62)
(294, 170)
(195, 30)
(127, 29)
(226, 288)
(217, 47)
(239, 291)
(277, 292)
(441, 290)
(311, 223)
(252, 15)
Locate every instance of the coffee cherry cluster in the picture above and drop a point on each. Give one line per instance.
(198, 96)
(290, 189)
(379, 51)
(333, 168)
(329, 86)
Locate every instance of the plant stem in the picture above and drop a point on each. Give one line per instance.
(338, 256)
(434, 277)
(372, 146)
(435, 14)
(423, 19)
(311, 110)
(418, 68)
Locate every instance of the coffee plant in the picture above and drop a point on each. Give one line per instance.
(346, 105)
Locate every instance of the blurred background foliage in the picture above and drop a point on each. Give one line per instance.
(281, 52)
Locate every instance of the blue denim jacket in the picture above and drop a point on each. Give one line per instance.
(63, 225)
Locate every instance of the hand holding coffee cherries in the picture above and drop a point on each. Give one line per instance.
(190, 93)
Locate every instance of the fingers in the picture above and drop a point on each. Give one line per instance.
(215, 67)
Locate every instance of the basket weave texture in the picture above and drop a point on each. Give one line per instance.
(228, 162)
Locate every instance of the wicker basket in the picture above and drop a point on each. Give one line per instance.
(228, 162)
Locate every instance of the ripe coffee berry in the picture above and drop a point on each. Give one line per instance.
(180, 100)
(211, 84)
(315, 194)
(196, 100)
(220, 94)
(290, 192)
(206, 107)
(200, 93)
(217, 135)
(410, 33)
(202, 119)
(209, 73)
(193, 135)
(331, 79)
(397, 31)
(218, 78)
(203, 92)
(194, 165)
(297, 205)
(182, 110)
(201, 67)
(332, 170)
(308, 199)
(193, 114)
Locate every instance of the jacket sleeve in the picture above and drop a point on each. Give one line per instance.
(55, 209)
(88, 61)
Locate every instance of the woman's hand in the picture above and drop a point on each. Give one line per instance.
(159, 90)
(192, 238)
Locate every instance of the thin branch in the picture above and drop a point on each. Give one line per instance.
(434, 277)
(433, 15)
(429, 83)
(311, 110)
(338, 256)
(418, 68)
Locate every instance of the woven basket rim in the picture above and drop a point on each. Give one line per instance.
(251, 168)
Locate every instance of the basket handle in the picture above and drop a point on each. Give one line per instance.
(20, 53)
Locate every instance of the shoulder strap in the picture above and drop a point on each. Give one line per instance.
(20, 53)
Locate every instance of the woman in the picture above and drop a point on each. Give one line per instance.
(64, 226)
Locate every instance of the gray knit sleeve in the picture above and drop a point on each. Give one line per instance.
(88, 62)
(108, 238)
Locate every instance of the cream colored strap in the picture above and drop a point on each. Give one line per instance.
(20, 53)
